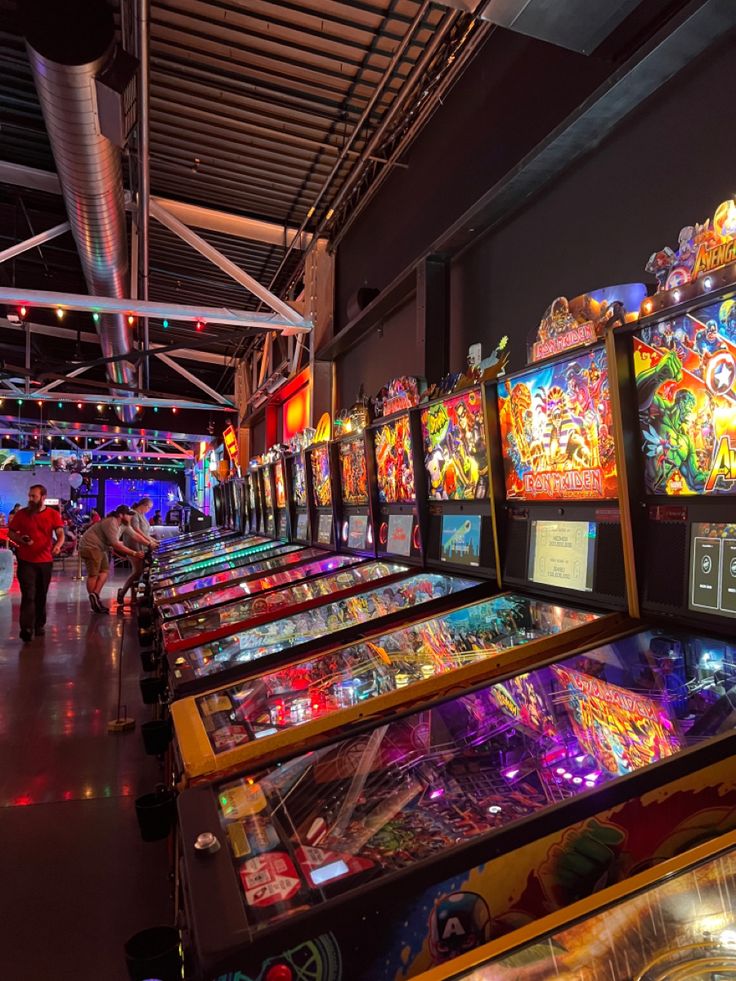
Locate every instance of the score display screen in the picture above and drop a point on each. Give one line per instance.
(557, 431)
(460, 540)
(353, 472)
(394, 464)
(713, 568)
(562, 554)
(320, 456)
(302, 526)
(455, 455)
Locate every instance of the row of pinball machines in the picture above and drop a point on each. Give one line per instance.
(374, 788)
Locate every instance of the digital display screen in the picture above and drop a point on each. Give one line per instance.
(394, 464)
(282, 525)
(302, 526)
(357, 530)
(713, 568)
(353, 472)
(454, 441)
(460, 542)
(299, 481)
(685, 371)
(557, 431)
(278, 476)
(327, 872)
(324, 529)
(400, 528)
(562, 553)
(320, 457)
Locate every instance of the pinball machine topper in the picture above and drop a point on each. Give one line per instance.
(701, 249)
(455, 453)
(400, 394)
(557, 431)
(394, 467)
(581, 321)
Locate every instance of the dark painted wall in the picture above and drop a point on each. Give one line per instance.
(669, 164)
(510, 97)
(384, 353)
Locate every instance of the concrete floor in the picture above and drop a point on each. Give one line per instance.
(75, 878)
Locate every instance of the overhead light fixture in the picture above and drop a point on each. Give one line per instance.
(59, 313)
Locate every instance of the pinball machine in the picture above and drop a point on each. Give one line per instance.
(677, 921)
(351, 460)
(295, 475)
(498, 805)
(268, 713)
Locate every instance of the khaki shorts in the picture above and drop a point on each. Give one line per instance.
(95, 561)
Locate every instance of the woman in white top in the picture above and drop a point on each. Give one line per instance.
(138, 537)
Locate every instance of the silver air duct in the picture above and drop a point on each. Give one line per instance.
(69, 44)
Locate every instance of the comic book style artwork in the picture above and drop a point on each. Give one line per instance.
(353, 472)
(298, 478)
(685, 370)
(278, 475)
(621, 730)
(394, 465)
(581, 321)
(525, 701)
(701, 249)
(321, 475)
(557, 431)
(455, 453)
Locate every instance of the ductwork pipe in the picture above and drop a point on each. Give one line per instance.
(69, 43)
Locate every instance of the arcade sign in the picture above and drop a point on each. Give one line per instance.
(231, 443)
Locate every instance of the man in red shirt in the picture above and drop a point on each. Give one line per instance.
(38, 534)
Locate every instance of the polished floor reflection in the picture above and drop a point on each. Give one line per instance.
(76, 878)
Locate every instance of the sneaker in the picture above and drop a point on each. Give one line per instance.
(25, 636)
(93, 602)
(101, 608)
(121, 597)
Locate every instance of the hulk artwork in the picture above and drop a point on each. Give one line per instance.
(665, 425)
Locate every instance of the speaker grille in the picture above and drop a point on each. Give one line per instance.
(666, 563)
(610, 575)
(516, 550)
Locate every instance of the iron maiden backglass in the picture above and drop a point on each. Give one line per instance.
(557, 431)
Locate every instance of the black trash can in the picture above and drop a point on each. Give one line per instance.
(156, 814)
(152, 689)
(149, 660)
(157, 735)
(154, 953)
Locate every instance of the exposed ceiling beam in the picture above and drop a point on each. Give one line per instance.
(34, 241)
(60, 381)
(248, 282)
(210, 219)
(113, 433)
(144, 401)
(293, 324)
(86, 337)
(197, 382)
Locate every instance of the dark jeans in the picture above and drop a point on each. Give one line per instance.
(33, 579)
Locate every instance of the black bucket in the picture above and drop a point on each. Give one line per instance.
(156, 814)
(152, 689)
(145, 617)
(149, 660)
(156, 736)
(154, 954)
